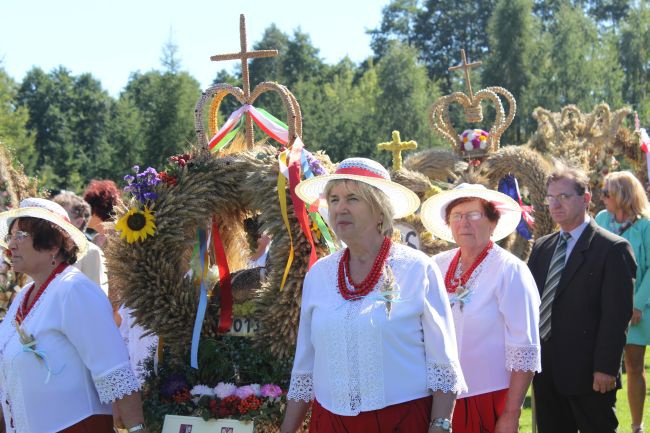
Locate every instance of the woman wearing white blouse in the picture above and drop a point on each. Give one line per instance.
(376, 349)
(495, 304)
(62, 360)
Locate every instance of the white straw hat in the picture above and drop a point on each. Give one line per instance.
(49, 211)
(403, 200)
(434, 209)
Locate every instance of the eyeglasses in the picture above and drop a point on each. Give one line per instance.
(560, 198)
(470, 216)
(605, 192)
(18, 236)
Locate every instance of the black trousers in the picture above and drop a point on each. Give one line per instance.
(558, 413)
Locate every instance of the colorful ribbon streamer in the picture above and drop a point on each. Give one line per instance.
(644, 141)
(203, 299)
(268, 123)
(225, 285)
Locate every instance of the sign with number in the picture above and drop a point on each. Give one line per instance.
(244, 327)
(409, 235)
(192, 424)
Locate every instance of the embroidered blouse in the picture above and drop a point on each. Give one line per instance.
(85, 365)
(497, 328)
(354, 357)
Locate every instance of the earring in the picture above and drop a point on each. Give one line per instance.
(53, 260)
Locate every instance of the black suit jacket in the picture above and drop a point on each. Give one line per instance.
(591, 308)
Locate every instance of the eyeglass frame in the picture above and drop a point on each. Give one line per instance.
(19, 236)
(456, 217)
(560, 198)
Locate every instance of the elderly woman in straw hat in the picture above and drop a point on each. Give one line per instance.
(495, 304)
(376, 349)
(62, 360)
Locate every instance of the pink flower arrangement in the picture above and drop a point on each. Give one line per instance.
(223, 390)
(474, 139)
(245, 391)
(270, 390)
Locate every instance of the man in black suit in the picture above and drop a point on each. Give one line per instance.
(586, 281)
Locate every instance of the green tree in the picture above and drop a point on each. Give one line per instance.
(14, 134)
(70, 116)
(444, 27)
(165, 101)
(405, 96)
(397, 24)
(634, 54)
(508, 64)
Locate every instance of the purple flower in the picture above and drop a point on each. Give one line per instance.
(245, 391)
(223, 390)
(173, 384)
(314, 164)
(142, 184)
(270, 390)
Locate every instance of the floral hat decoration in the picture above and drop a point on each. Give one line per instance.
(49, 211)
(403, 200)
(434, 209)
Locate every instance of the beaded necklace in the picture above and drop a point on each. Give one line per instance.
(366, 286)
(26, 306)
(451, 282)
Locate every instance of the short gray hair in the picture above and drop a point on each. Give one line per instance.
(376, 199)
(577, 176)
(76, 206)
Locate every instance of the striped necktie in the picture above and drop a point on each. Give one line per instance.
(552, 281)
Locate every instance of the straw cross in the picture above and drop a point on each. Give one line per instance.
(244, 55)
(396, 147)
(466, 67)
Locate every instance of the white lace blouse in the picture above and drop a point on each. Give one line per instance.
(497, 328)
(353, 357)
(73, 325)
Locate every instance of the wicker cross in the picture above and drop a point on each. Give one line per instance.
(466, 68)
(396, 147)
(244, 55)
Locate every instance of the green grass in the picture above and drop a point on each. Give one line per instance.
(622, 408)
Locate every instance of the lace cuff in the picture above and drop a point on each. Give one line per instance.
(301, 388)
(118, 383)
(523, 358)
(445, 377)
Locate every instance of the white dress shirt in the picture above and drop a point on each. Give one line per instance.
(498, 327)
(352, 357)
(73, 325)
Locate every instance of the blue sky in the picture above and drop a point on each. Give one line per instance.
(112, 39)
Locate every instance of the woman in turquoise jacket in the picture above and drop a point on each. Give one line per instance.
(627, 214)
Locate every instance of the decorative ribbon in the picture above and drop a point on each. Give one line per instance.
(509, 186)
(269, 124)
(359, 172)
(203, 299)
(225, 286)
(30, 347)
(464, 297)
(282, 196)
(644, 141)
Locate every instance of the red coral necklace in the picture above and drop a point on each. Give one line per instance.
(366, 286)
(451, 283)
(26, 306)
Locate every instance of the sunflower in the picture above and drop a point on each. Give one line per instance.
(136, 225)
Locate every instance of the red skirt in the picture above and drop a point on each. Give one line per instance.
(479, 413)
(408, 417)
(92, 424)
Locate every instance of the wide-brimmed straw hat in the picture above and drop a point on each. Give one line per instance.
(403, 200)
(434, 209)
(49, 211)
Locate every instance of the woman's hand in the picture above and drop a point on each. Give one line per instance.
(637, 315)
(508, 422)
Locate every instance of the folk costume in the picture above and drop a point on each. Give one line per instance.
(62, 360)
(369, 355)
(495, 306)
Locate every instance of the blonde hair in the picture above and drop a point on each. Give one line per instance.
(628, 193)
(376, 199)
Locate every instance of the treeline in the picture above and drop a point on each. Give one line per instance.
(66, 129)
